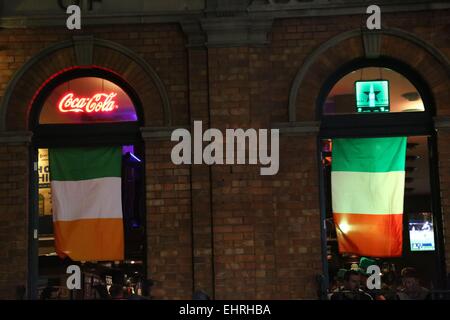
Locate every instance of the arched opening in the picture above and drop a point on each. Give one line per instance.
(366, 107)
(374, 123)
(373, 90)
(78, 125)
(87, 203)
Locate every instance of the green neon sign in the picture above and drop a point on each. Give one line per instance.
(372, 96)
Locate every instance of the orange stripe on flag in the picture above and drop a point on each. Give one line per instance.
(375, 235)
(90, 239)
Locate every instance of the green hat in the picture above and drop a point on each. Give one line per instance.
(364, 263)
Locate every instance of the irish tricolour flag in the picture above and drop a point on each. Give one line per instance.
(367, 181)
(87, 205)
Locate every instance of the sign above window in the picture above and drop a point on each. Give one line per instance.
(372, 96)
(87, 100)
(99, 102)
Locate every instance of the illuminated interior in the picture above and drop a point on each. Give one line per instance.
(403, 96)
(96, 274)
(419, 248)
(418, 234)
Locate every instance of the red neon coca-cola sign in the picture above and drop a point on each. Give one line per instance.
(99, 102)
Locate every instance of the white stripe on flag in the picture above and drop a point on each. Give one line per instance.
(368, 192)
(87, 199)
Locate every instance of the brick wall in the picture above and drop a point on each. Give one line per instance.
(162, 46)
(13, 218)
(169, 222)
(267, 228)
(265, 242)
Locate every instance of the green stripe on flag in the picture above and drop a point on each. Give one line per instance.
(369, 154)
(75, 164)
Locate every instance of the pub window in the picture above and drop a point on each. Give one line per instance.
(360, 107)
(77, 118)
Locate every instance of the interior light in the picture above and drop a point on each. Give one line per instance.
(134, 157)
(344, 227)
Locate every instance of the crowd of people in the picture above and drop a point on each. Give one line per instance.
(352, 284)
(112, 292)
(145, 291)
(349, 284)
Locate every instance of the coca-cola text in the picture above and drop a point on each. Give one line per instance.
(99, 102)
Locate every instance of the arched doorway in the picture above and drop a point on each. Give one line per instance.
(83, 113)
(382, 98)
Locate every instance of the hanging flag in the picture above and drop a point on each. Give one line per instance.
(87, 205)
(367, 182)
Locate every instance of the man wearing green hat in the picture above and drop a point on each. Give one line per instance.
(365, 263)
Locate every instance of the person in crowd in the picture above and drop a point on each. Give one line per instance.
(411, 289)
(351, 289)
(49, 293)
(102, 291)
(388, 285)
(116, 292)
(146, 290)
(365, 263)
(338, 282)
(340, 278)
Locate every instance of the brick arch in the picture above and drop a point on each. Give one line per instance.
(63, 56)
(430, 64)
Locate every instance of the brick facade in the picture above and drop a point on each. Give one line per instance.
(14, 218)
(224, 229)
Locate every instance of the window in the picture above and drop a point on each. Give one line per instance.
(81, 108)
(384, 98)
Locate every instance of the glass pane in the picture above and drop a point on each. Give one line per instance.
(87, 100)
(373, 90)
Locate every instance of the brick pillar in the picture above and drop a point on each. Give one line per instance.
(235, 221)
(296, 211)
(266, 228)
(14, 175)
(169, 251)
